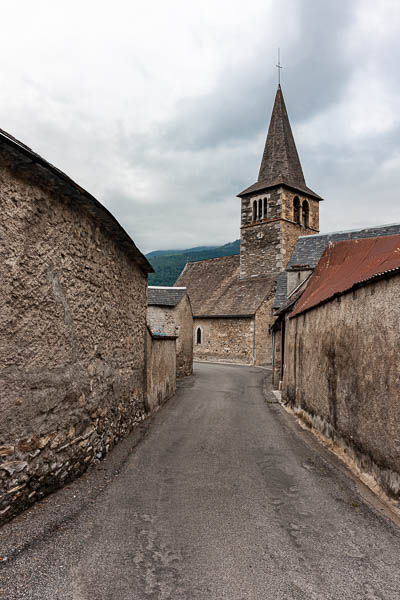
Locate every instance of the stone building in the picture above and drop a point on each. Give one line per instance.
(230, 315)
(232, 296)
(160, 369)
(73, 306)
(292, 281)
(169, 313)
(341, 340)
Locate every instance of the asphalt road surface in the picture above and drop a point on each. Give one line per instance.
(224, 497)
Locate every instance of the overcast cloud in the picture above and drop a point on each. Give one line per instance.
(161, 109)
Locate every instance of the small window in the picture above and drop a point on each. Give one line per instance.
(296, 210)
(198, 335)
(255, 210)
(306, 214)
(260, 209)
(265, 208)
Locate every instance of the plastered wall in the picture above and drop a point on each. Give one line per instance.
(342, 367)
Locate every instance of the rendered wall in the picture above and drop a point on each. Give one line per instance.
(342, 368)
(161, 370)
(72, 335)
(226, 340)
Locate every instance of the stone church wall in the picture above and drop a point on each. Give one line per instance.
(224, 339)
(267, 244)
(72, 342)
(291, 231)
(261, 241)
(342, 371)
(287, 210)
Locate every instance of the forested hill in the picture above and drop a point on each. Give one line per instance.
(168, 264)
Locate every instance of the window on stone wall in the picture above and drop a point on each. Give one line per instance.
(306, 214)
(296, 210)
(198, 335)
(255, 210)
(260, 209)
(265, 208)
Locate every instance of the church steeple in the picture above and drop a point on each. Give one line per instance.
(280, 158)
(279, 207)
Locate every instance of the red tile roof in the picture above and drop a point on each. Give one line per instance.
(345, 265)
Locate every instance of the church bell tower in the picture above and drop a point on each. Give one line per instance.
(279, 207)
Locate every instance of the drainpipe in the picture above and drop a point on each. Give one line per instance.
(273, 356)
(254, 339)
(283, 332)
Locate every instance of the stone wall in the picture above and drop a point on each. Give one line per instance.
(276, 359)
(72, 336)
(342, 369)
(273, 197)
(161, 320)
(263, 339)
(160, 369)
(260, 241)
(267, 243)
(184, 343)
(287, 209)
(176, 321)
(224, 339)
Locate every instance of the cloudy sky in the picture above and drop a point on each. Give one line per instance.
(160, 109)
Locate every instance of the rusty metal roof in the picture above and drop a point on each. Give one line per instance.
(310, 248)
(349, 264)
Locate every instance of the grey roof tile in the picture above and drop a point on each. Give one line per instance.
(280, 164)
(165, 296)
(310, 248)
(215, 289)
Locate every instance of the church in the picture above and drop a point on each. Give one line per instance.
(232, 297)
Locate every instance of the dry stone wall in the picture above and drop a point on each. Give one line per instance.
(72, 336)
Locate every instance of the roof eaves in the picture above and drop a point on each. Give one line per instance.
(104, 215)
(261, 186)
(358, 284)
(225, 316)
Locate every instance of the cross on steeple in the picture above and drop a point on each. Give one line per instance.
(279, 67)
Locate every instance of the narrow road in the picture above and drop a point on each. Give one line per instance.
(226, 497)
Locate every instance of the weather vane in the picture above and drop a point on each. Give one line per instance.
(279, 66)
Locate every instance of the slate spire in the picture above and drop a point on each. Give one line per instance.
(280, 158)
